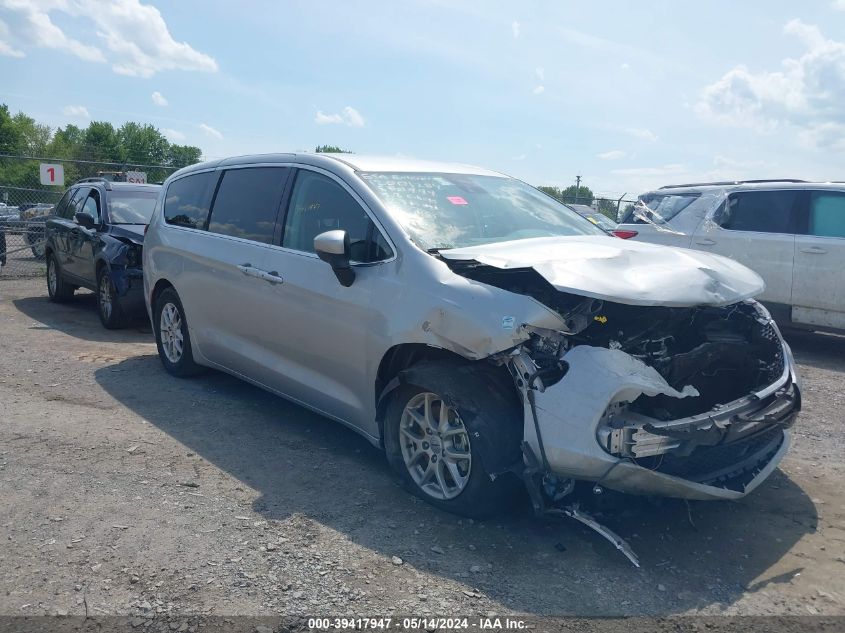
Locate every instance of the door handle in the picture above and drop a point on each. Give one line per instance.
(249, 270)
(814, 250)
(705, 241)
(273, 277)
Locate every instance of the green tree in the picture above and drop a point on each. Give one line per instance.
(330, 149)
(100, 142)
(578, 195)
(570, 195)
(179, 156)
(132, 144)
(608, 208)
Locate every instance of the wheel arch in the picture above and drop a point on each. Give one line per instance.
(405, 355)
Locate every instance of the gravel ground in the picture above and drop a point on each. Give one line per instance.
(125, 491)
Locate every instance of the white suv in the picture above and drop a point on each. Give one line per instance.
(792, 233)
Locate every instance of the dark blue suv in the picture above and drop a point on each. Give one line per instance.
(94, 241)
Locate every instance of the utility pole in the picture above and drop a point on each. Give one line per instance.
(577, 187)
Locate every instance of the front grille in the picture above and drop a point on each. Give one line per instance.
(726, 465)
(772, 369)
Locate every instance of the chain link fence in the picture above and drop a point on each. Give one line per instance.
(23, 212)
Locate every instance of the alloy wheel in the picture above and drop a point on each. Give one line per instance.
(435, 446)
(170, 327)
(105, 296)
(51, 276)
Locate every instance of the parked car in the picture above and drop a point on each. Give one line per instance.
(792, 233)
(599, 219)
(481, 333)
(94, 241)
(34, 216)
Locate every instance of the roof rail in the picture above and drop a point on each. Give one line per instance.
(92, 179)
(732, 182)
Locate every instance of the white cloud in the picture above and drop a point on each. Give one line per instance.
(76, 111)
(39, 30)
(174, 136)
(5, 48)
(210, 131)
(539, 90)
(839, 5)
(159, 99)
(540, 72)
(624, 66)
(135, 34)
(349, 116)
(8, 50)
(641, 133)
(614, 154)
(804, 95)
(515, 29)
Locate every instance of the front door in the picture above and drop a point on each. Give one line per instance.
(818, 290)
(81, 240)
(324, 331)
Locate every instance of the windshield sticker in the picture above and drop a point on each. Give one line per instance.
(507, 322)
(456, 200)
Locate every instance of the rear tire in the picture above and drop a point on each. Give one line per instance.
(460, 462)
(108, 303)
(58, 289)
(172, 336)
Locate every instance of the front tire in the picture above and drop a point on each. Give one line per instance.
(172, 336)
(451, 433)
(108, 304)
(57, 288)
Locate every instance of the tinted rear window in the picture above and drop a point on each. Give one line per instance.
(188, 200)
(827, 214)
(247, 203)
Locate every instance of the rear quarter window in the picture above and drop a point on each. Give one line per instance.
(762, 211)
(188, 199)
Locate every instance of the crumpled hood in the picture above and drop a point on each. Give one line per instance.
(132, 232)
(623, 271)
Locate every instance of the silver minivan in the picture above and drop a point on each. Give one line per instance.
(481, 333)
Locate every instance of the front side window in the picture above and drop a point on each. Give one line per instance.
(247, 203)
(319, 204)
(79, 199)
(92, 206)
(442, 211)
(188, 200)
(761, 211)
(827, 214)
(132, 207)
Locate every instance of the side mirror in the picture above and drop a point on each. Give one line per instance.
(85, 220)
(333, 248)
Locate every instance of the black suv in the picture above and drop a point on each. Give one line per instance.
(94, 241)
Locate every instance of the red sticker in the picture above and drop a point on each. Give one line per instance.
(456, 200)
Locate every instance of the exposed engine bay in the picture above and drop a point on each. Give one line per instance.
(710, 357)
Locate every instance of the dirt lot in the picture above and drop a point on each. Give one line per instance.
(126, 491)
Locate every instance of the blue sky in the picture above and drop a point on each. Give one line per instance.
(628, 95)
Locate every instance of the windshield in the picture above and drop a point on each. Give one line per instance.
(441, 211)
(132, 207)
(662, 207)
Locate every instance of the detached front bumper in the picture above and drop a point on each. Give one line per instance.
(722, 454)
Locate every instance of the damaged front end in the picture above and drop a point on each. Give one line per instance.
(688, 402)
